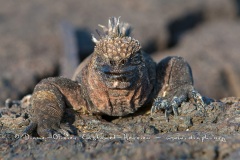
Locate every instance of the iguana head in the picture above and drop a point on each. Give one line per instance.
(117, 55)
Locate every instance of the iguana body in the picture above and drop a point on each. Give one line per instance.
(116, 80)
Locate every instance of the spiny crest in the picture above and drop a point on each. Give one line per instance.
(115, 29)
(115, 42)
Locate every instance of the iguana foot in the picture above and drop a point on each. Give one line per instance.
(48, 129)
(171, 104)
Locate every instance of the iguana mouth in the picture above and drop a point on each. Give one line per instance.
(118, 84)
(119, 81)
(122, 77)
(118, 78)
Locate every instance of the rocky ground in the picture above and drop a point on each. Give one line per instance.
(211, 132)
(34, 45)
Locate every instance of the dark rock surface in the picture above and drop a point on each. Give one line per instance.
(212, 133)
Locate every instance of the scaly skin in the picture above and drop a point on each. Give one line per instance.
(116, 80)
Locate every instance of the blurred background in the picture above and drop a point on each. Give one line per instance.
(205, 32)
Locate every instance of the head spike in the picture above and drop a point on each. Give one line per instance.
(100, 34)
(94, 39)
(118, 20)
(105, 29)
(115, 29)
(110, 24)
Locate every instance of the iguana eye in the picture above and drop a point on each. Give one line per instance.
(123, 62)
(136, 59)
(112, 62)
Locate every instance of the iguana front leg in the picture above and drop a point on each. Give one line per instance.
(49, 101)
(174, 76)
